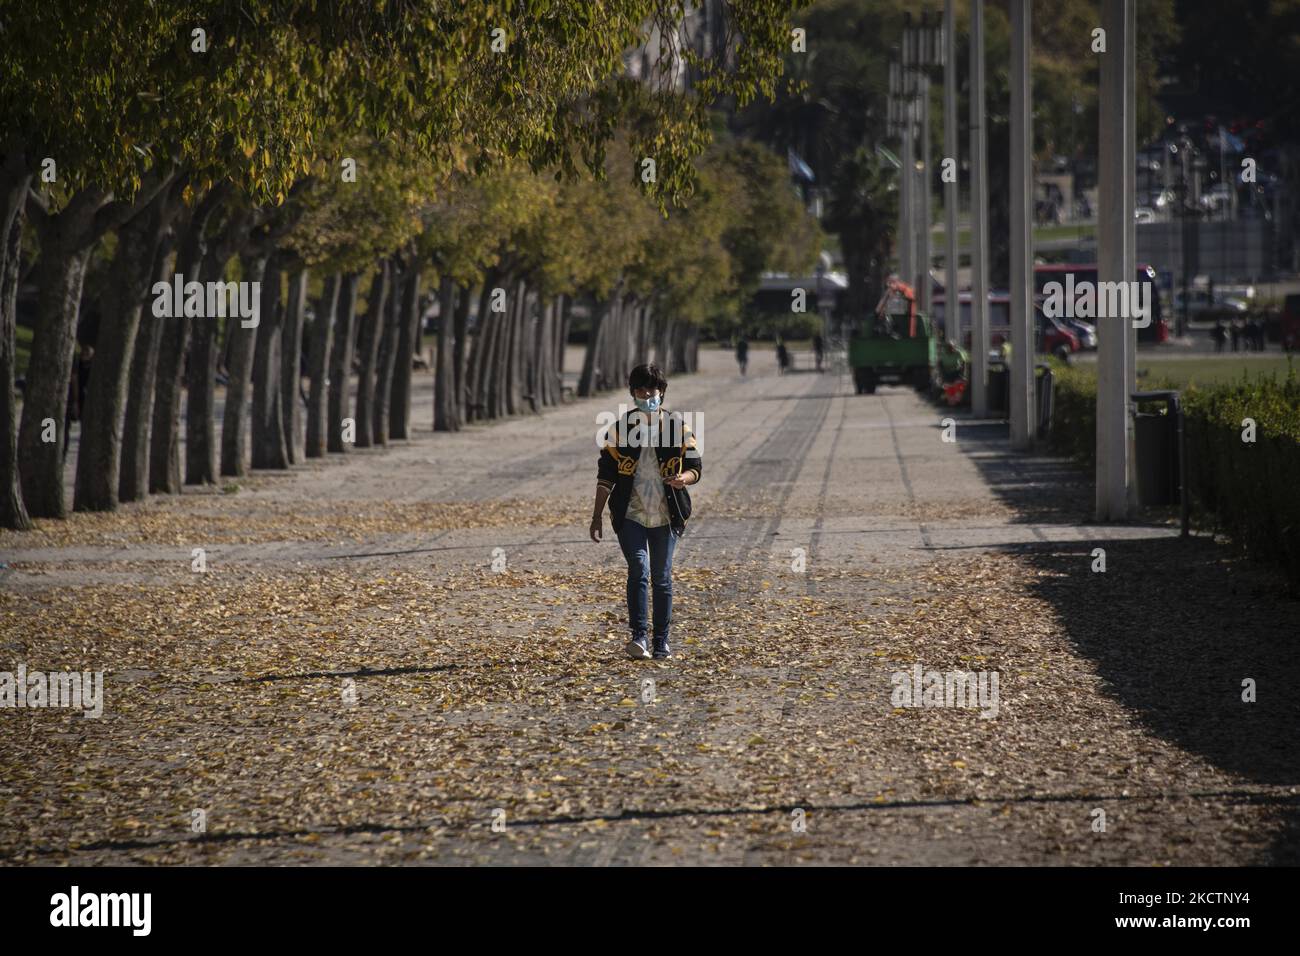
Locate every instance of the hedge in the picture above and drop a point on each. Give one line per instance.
(1249, 491)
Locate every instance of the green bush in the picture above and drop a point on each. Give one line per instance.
(1249, 491)
(1074, 414)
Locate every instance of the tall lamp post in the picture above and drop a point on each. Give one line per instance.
(1187, 191)
(922, 49)
(979, 219)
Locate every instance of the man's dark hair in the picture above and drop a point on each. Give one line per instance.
(647, 376)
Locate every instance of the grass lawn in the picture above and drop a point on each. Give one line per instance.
(1213, 371)
(1077, 233)
(1207, 371)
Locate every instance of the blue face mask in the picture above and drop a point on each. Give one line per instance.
(648, 404)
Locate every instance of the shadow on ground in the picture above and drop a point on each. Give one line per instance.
(1175, 626)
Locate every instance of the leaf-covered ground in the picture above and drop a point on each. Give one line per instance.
(405, 702)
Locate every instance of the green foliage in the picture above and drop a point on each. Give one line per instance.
(1246, 490)
(769, 228)
(346, 226)
(1074, 413)
(703, 260)
(111, 89)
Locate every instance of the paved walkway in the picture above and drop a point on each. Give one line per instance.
(415, 655)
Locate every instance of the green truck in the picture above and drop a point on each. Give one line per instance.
(897, 344)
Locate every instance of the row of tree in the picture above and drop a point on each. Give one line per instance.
(346, 159)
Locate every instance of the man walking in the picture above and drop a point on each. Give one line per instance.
(648, 458)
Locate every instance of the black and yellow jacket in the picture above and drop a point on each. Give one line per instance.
(677, 450)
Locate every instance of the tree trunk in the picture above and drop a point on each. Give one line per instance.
(164, 440)
(322, 338)
(460, 350)
(99, 453)
(41, 437)
(663, 348)
(13, 513)
(234, 424)
(475, 378)
(383, 387)
(562, 346)
(269, 450)
(142, 385)
(408, 338)
(341, 363)
(201, 400)
(509, 343)
(369, 332)
(539, 366)
(66, 237)
(444, 383)
(522, 343)
(291, 363)
(493, 368)
(591, 358)
(614, 345)
(66, 240)
(557, 349)
(164, 436)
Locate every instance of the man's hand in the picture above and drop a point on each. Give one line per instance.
(682, 480)
(597, 528)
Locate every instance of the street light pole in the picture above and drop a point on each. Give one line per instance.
(951, 191)
(979, 219)
(1022, 235)
(1116, 262)
(922, 49)
(923, 211)
(904, 107)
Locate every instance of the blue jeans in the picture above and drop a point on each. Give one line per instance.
(649, 553)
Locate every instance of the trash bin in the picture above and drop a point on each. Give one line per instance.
(1155, 453)
(999, 390)
(1160, 465)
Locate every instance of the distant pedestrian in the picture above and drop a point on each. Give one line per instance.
(742, 354)
(819, 350)
(648, 458)
(1219, 334)
(782, 357)
(1234, 329)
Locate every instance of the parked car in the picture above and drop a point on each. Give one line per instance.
(1054, 337)
(1085, 331)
